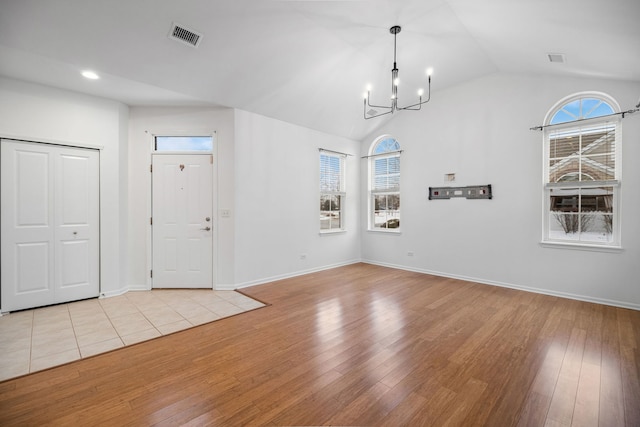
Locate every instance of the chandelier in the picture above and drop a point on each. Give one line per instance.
(394, 89)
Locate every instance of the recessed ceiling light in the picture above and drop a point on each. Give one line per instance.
(90, 75)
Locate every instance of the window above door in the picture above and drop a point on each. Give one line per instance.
(182, 143)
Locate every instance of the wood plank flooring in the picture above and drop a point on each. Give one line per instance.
(360, 345)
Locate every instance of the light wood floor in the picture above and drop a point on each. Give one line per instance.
(360, 345)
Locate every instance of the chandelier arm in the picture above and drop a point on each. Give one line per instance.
(364, 111)
(377, 115)
(375, 106)
(409, 107)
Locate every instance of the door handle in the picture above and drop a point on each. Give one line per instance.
(206, 229)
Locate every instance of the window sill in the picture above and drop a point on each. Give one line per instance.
(385, 230)
(330, 232)
(582, 247)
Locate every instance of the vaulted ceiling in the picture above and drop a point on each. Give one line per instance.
(308, 62)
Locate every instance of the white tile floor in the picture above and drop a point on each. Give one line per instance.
(33, 340)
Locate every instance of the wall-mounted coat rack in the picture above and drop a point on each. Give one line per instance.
(470, 192)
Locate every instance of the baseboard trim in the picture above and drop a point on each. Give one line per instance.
(294, 274)
(585, 298)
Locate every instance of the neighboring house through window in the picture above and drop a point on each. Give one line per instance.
(384, 184)
(332, 191)
(582, 171)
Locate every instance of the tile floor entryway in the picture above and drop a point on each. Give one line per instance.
(37, 339)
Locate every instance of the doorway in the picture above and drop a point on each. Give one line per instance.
(182, 221)
(50, 250)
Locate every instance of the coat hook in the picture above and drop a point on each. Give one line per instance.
(181, 167)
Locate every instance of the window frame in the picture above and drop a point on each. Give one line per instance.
(582, 127)
(373, 156)
(154, 142)
(340, 193)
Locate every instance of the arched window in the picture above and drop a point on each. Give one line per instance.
(582, 176)
(384, 184)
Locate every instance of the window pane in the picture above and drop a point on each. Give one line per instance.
(599, 168)
(596, 227)
(596, 199)
(562, 146)
(564, 226)
(565, 200)
(330, 173)
(583, 108)
(330, 214)
(184, 143)
(386, 211)
(584, 214)
(595, 108)
(562, 117)
(386, 145)
(386, 173)
(564, 170)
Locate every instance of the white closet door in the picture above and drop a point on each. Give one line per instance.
(76, 224)
(49, 224)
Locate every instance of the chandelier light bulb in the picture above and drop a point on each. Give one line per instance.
(396, 81)
(429, 71)
(420, 92)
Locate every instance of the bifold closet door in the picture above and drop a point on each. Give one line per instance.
(49, 224)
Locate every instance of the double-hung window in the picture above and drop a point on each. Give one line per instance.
(582, 173)
(384, 184)
(332, 191)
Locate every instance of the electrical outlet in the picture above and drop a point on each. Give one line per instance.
(303, 256)
(410, 253)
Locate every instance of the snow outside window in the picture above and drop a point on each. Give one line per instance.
(384, 185)
(332, 192)
(582, 173)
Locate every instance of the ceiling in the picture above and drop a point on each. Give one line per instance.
(308, 62)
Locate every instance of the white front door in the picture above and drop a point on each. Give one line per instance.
(182, 221)
(50, 224)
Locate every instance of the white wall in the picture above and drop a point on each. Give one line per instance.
(480, 132)
(146, 121)
(277, 201)
(267, 176)
(43, 114)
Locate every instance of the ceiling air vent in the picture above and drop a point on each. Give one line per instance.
(556, 57)
(183, 35)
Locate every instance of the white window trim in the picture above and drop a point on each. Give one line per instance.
(342, 194)
(173, 133)
(616, 245)
(371, 192)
